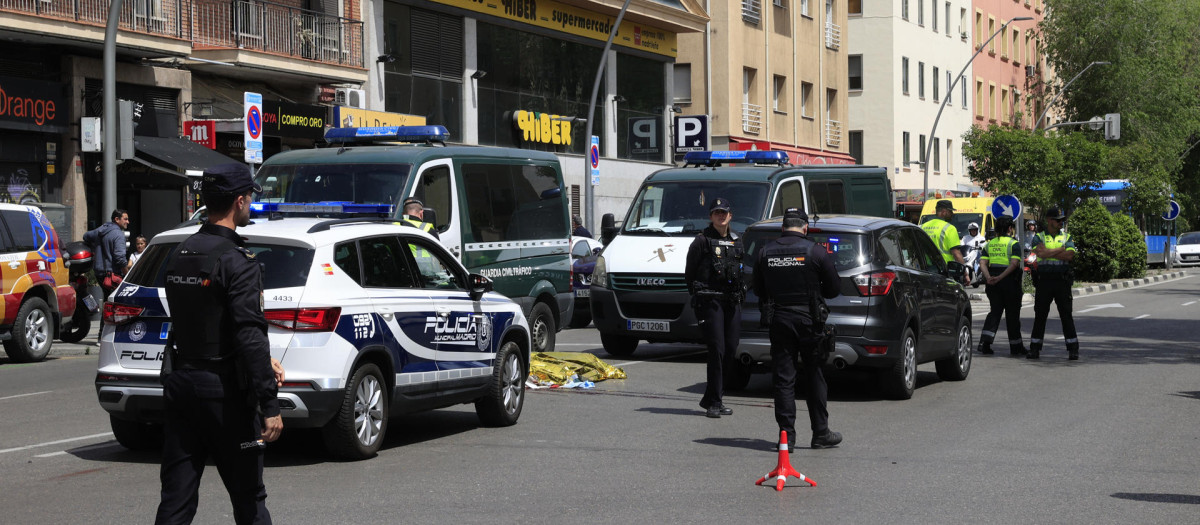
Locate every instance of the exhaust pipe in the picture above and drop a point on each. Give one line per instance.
(839, 363)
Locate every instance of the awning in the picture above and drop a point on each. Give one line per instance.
(796, 154)
(176, 156)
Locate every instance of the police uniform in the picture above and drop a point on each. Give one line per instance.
(220, 384)
(1054, 282)
(944, 234)
(1004, 296)
(714, 278)
(409, 220)
(794, 275)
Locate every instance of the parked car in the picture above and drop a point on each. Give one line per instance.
(901, 304)
(370, 319)
(1187, 249)
(584, 252)
(38, 297)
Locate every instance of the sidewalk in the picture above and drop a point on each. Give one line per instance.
(1090, 288)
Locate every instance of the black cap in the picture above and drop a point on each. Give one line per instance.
(719, 203)
(232, 178)
(945, 204)
(1056, 214)
(795, 213)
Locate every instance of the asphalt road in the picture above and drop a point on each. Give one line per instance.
(1111, 438)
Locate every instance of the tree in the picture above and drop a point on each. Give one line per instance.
(1091, 228)
(1041, 171)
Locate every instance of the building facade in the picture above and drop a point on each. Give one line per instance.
(1007, 83)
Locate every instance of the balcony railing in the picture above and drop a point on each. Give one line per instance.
(752, 11)
(833, 133)
(751, 118)
(158, 17)
(833, 36)
(279, 29)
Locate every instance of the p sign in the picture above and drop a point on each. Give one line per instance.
(691, 133)
(643, 136)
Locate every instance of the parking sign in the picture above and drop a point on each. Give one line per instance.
(252, 131)
(691, 133)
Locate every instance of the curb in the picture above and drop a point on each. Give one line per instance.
(1131, 283)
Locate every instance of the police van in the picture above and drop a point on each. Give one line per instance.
(638, 291)
(501, 211)
(365, 330)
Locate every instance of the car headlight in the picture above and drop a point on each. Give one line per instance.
(599, 274)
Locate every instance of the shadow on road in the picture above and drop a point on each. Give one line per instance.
(1154, 497)
(761, 445)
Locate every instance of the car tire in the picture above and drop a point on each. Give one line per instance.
(136, 435)
(81, 324)
(618, 345)
(580, 319)
(358, 428)
(32, 332)
(542, 330)
(957, 366)
(901, 380)
(506, 391)
(737, 376)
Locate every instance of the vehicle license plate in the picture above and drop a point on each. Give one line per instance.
(640, 325)
(90, 303)
(584, 292)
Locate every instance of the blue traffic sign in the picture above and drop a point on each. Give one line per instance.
(1172, 213)
(1006, 206)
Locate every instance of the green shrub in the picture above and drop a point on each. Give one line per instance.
(1091, 227)
(1130, 248)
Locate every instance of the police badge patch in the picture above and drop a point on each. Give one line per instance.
(483, 337)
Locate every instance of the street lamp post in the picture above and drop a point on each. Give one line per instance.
(950, 89)
(588, 189)
(1064, 88)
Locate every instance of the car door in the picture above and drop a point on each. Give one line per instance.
(434, 185)
(943, 293)
(910, 287)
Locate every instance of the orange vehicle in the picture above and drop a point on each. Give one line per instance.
(34, 280)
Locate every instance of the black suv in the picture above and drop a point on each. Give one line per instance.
(901, 303)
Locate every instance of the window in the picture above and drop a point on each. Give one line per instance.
(937, 156)
(949, 87)
(854, 8)
(384, 264)
(790, 195)
(581, 249)
(1004, 104)
(804, 7)
(921, 152)
(806, 99)
(991, 31)
(921, 80)
(1003, 44)
(1016, 45)
(435, 272)
(345, 256)
(826, 196)
(978, 29)
(905, 144)
(962, 83)
(513, 203)
(948, 19)
(904, 9)
(933, 12)
(991, 102)
(949, 156)
(936, 79)
(429, 66)
(979, 98)
(856, 146)
(434, 191)
(962, 22)
(683, 84)
(856, 73)
(21, 229)
(927, 256)
(904, 75)
(779, 94)
(921, 12)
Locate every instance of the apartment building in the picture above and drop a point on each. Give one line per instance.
(1007, 77)
(771, 74)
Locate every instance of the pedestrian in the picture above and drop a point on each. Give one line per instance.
(714, 277)
(221, 384)
(1054, 249)
(139, 246)
(414, 215)
(792, 278)
(944, 234)
(577, 227)
(108, 243)
(1001, 266)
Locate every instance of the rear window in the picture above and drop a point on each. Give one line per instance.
(283, 266)
(849, 250)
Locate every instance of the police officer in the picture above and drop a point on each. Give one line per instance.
(221, 383)
(714, 278)
(1054, 250)
(414, 215)
(944, 234)
(1001, 266)
(792, 277)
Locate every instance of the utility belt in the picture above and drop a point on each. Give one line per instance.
(219, 365)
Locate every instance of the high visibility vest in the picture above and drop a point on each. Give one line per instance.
(419, 253)
(944, 235)
(1062, 240)
(1001, 251)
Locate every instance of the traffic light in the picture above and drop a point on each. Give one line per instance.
(1112, 126)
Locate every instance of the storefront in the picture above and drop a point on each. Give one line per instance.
(33, 116)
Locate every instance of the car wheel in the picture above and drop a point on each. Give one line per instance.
(136, 435)
(357, 431)
(506, 393)
(901, 380)
(618, 345)
(81, 324)
(737, 376)
(541, 328)
(31, 332)
(956, 367)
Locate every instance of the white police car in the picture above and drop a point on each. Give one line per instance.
(369, 319)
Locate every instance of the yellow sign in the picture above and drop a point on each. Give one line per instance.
(345, 117)
(543, 127)
(576, 21)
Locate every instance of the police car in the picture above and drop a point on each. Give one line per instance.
(369, 318)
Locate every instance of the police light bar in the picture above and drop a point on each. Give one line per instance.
(388, 134)
(735, 157)
(348, 208)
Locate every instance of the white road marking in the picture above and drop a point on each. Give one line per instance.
(48, 443)
(52, 454)
(23, 395)
(1189, 303)
(1143, 316)
(1101, 307)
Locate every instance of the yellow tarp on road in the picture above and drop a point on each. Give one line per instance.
(558, 368)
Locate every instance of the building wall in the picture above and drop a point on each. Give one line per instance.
(1006, 95)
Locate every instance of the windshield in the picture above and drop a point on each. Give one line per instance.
(357, 183)
(1190, 238)
(682, 207)
(960, 222)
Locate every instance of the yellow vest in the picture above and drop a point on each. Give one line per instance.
(1000, 252)
(1062, 240)
(944, 235)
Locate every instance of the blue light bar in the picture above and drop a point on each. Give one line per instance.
(388, 133)
(347, 208)
(731, 157)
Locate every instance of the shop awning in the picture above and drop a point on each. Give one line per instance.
(176, 156)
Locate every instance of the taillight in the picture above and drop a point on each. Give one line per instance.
(305, 319)
(875, 349)
(115, 313)
(875, 283)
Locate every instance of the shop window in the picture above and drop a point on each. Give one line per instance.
(683, 84)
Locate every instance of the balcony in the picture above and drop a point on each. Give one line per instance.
(833, 36)
(751, 11)
(833, 133)
(149, 28)
(751, 118)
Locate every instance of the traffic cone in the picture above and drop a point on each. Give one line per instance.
(784, 468)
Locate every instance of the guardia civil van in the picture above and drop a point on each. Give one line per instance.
(501, 211)
(638, 292)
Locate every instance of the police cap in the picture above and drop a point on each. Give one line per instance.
(945, 204)
(231, 178)
(795, 213)
(1056, 214)
(719, 203)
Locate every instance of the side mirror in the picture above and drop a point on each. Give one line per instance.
(955, 270)
(608, 228)
(479, 286)
(596, 251)
(430, 216)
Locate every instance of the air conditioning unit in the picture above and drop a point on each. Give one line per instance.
(1031, 71)
(353, 98)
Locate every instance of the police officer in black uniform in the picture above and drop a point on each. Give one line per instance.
(792, 278)
(714, 278)
(220, 383)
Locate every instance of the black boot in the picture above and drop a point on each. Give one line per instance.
(985, 349)
(1034, 352)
